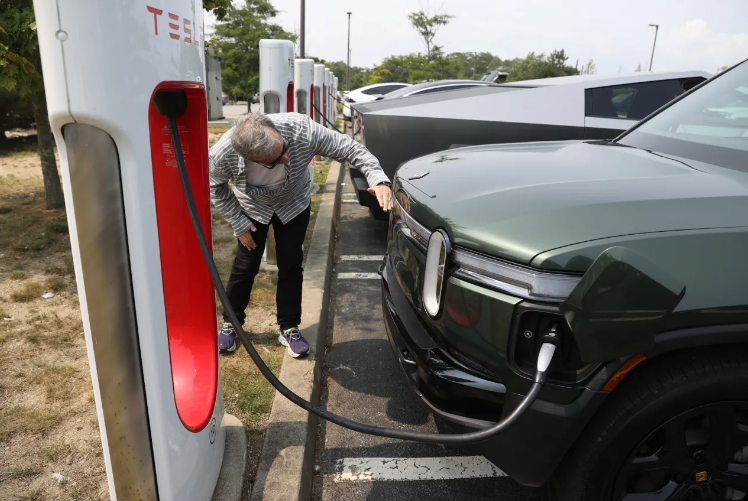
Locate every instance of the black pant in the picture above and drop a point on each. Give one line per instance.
(289, 239)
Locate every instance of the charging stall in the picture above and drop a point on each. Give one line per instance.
(276, 76)
(146, 297)
(328, 96)
(213, 84)
(319, 92)
(335, 98)
(304, 84)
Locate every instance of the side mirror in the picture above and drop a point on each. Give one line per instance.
(618, 307)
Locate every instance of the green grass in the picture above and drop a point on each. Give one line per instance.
(57, 451)
(20, 419)
(247, 394)
(32, 228)
(5, 210)
(60, 227)
(19, 473)
(29, 291)
(18, 275)
(55, 381)
(56, 284)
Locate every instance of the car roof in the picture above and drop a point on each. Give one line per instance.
(431, 85)
(374, 86)
(611, 79)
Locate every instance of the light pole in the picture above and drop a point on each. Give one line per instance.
(303, 30)
(348, 64)
(656, 27)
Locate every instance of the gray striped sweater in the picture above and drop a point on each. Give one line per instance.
(306, 139)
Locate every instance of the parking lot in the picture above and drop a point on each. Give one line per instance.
(364, 383)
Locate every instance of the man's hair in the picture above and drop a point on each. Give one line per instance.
(252, 137)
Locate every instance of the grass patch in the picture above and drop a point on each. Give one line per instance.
(57, 451)
(22, 419)
(217, 130)
(19, 473)
(55, 380)
(56, 284)
(12, 185)
(263, 291)
(60, 227)
(247, 394)
(5, 209)
(18, 275)
(224, 240)
(29, 291)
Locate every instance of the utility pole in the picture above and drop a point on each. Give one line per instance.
(348, 64)
(657, 28)
(303, 30)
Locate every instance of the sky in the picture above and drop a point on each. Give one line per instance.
(693, 34)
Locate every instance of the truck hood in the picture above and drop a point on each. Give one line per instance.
(515, 201)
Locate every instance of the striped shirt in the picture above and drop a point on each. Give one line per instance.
(306, 139)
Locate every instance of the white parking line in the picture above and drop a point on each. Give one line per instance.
(361, 258)
(400, 469)
(358, 276)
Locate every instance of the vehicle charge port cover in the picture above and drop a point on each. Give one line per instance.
(618, 306)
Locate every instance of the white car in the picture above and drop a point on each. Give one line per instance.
(368, 94)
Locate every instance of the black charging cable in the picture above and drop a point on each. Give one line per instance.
(173, 104)
(325, 118)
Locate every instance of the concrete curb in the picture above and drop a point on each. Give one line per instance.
(230, 485)
(285, 471)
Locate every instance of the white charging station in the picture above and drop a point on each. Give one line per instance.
(276, 76)
(146, 297)
(319, 92)
(335, 98)
(304, 84)
(328, 96)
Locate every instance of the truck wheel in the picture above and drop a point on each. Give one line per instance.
(675, 429)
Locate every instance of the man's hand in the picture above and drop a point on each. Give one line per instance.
(384, 196)
(247, 240)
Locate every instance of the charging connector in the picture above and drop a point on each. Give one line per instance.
(172, 105)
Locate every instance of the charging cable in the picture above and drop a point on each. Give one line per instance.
(173, 104)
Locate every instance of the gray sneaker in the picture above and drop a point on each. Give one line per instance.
(297, 345)
(226, 338)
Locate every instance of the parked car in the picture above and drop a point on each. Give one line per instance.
(256, 99)
(225, 99)
(367, 94)
(631, 254)
(579, 107)
(497, 76)
(433, 88)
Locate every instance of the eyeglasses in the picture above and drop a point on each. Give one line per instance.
(277, 160)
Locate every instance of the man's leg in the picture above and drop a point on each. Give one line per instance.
(289, 239)
(239, 287)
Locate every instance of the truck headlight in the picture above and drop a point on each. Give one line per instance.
(434, 274)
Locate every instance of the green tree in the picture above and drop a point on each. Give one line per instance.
(590, 68)
(536, 66)
(427, 24)
(237, 42)
(219, 7)
(21, 74)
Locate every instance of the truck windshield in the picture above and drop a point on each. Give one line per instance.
(709, 125)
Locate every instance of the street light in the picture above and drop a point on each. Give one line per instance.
(348, 64)
(656, 27)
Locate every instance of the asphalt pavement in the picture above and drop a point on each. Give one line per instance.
(364, 382)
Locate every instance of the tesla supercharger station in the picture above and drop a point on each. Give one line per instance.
(328, 96)
(304, 85)
(335, 98)
(319, 92)
(146, 298)
(276, 76)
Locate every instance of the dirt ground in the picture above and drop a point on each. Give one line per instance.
(50, 448)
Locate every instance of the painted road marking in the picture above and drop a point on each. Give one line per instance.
(358, 276)
(400, 469)
(361, 258)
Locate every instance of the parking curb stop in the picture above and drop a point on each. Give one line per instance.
(286, 468)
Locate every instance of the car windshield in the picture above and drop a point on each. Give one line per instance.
(709, 125)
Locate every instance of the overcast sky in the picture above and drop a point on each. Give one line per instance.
(694, 34)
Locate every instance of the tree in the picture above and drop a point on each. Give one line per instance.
(237, 42)
(219, 7)
(590, 68)
(22, 74)
(540, 66)
(638, 68)
(427, 25)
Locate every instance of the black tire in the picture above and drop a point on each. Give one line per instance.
(653, 395)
